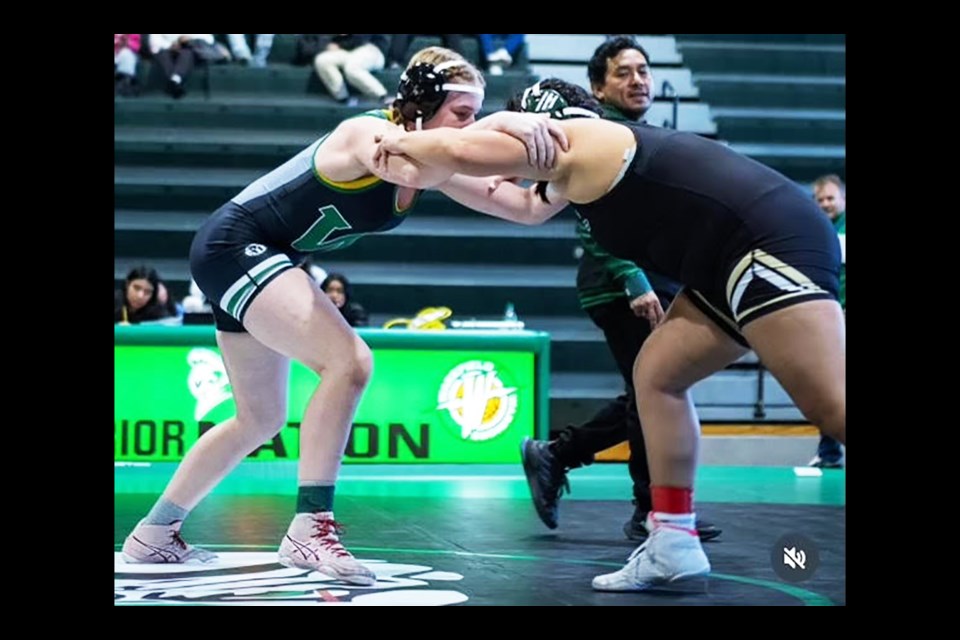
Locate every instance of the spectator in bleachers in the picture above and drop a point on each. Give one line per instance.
(126, 54)
(177, 57)
(831, 196)
(340, 292)
(138, 300)
(499, 50)
(623, 301)
(240, 49)
(348, 58)
(306, 47)
(400, 42)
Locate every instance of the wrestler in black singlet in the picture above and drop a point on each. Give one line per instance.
(744, 239)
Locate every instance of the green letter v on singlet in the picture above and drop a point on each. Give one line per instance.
(329, 221)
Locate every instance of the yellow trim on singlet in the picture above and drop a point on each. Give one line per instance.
(350, 185)
(397, 211)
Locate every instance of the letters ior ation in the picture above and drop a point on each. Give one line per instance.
(166, 438)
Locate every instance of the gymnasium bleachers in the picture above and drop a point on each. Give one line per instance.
(176, 161)
(779, 98)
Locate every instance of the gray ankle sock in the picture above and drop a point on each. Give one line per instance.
(165, 512)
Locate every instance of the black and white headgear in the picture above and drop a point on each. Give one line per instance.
(536, 99)
(424, 87)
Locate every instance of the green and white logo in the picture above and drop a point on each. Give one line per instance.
(167, 397)
(207, 381)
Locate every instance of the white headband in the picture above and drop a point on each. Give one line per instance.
(448, 64)
(450, 86)
(465, 88)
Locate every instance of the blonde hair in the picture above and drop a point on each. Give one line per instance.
(832, 178)
(465, 73)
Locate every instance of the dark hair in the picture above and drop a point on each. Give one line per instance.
(353, 312)
(597, 67)
(153, 310)
(342, 279)
(143, 272)
(573, 94)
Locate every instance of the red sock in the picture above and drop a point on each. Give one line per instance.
(676, 500)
